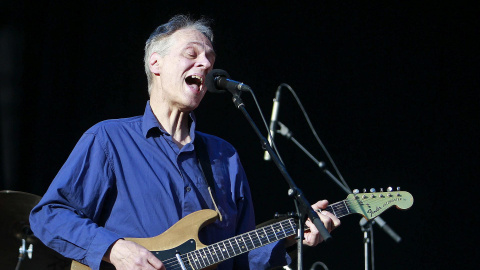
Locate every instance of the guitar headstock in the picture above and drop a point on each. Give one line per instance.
(372, 204)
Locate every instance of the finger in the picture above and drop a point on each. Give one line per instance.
(334, 220)
(311, 238)
(311, 226)
(320, 205)
(155, 262)
(327, 221)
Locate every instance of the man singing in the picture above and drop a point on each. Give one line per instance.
(136, 177)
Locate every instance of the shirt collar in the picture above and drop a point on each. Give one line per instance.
(151, 126)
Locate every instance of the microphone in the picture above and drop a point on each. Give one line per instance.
(273, 122)
(218, 80)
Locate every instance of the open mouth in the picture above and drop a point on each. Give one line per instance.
(195, 82)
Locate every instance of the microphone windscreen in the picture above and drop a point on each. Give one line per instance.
(210, 80)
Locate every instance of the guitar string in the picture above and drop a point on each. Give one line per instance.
(336, 207)
(271, 229)
(269, 234)
(274, 236)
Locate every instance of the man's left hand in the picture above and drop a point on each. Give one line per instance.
(312, 236)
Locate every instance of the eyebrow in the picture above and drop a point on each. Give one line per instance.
(209, 51)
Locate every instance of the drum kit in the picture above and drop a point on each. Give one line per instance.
(19, 248)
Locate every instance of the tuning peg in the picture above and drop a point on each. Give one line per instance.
(398, 188)
(356, 191)
(389, 189)
(364, 190)
(372, 190)
(381, 189)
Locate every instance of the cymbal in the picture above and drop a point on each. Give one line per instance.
(15, 207)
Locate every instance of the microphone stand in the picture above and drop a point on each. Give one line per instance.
(366, 225)
(303, 207)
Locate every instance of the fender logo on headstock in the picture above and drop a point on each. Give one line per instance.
(372, 212)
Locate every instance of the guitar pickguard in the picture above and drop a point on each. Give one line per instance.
(184, 248)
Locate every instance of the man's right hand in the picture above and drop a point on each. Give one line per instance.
(128, 255)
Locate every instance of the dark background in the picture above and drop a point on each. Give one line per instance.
(391, 88)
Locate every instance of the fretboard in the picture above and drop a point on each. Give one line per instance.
(221, 251)
(339, 209)
(237, 245)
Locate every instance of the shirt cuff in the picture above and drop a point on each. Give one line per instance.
(99, 246)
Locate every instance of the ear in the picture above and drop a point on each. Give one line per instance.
(155, 63)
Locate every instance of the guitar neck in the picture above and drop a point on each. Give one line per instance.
(240, 244)
(339, 209)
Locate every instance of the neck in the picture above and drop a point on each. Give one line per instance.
(173, 120)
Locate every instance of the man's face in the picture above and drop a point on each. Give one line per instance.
(182, 71)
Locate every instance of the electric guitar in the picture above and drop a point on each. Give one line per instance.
(180, 247)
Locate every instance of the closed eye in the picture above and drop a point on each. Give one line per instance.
(190, 52)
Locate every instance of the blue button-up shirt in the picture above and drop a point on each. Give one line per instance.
(127, 178)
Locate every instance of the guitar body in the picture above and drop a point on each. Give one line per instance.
(182, 236)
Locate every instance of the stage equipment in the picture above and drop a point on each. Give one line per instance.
(303, 207)
(18, 241)
(366, 226)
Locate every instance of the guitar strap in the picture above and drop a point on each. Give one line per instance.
(205, 167)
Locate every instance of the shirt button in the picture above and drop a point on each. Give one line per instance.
(187, 189)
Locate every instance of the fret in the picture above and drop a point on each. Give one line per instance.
(237, 245)
(245, 245)
(205, 256)
(191, 262)
(340, 210)
(272, 234)
(254, 236)
(226, 249)
(266, 234)
(260, 240)
(233, 250)
(346, 207)
(274, 228)
(199, 258)
(280, 231)
(211, 251)
(253, 244)
(283, 230)
(292, 225)
(219, 252)
(333, 209)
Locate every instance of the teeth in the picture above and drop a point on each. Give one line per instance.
(198, 77)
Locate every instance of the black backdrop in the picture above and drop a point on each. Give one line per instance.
(391, 87)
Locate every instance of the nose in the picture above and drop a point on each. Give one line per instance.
(204, 62)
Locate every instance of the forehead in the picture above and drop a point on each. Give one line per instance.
(184, 37)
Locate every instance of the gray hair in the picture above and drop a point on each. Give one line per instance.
(160, 41)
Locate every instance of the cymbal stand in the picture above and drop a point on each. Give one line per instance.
(24, 252)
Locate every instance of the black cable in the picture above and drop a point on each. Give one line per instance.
(307, 118)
